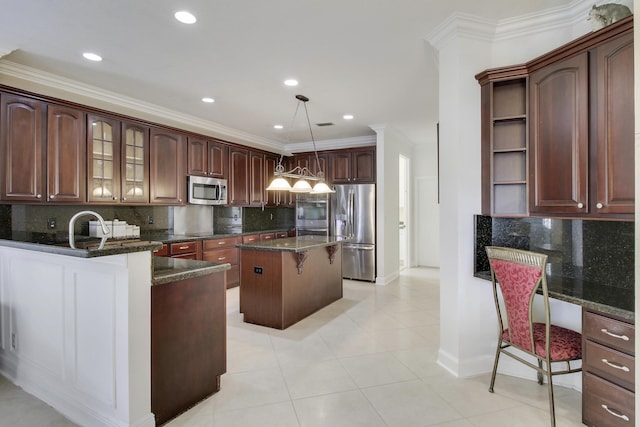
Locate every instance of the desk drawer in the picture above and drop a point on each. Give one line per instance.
(605, 404)
(609, 364)
(610, 332)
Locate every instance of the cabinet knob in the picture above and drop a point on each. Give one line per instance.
(124, 199)
(580, 206)
(114, 198)
(599, 205)
(38, 196)
(52, 196)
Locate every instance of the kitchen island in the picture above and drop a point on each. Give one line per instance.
(285, 280)
(76, 324)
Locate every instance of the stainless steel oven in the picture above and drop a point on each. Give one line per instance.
(312, 214)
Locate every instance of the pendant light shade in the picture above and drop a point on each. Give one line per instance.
(301, 186)
(321, 188)
(279, 184)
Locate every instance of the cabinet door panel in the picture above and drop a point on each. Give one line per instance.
(238, 176)
(364, 166)
(340, 168)
(197, 157)
(103, 159)
(559, 137)
(615, 126)
(66, 154)
(22, 146)
(218, 156)
(256, 185)
(168, 165)
(135, 163)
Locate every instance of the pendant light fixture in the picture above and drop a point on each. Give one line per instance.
(302, 175)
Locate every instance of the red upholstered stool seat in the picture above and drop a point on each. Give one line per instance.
(565, 343)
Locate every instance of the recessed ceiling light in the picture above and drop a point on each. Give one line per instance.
(92, 56)
(278, 126)
(185, 17)
(208, 100)
(291, 82)
(348, 116)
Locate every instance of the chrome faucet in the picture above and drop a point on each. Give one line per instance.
(72, 222)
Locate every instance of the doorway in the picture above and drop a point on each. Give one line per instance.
(403, 213)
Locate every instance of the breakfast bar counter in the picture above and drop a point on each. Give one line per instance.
(285, 280)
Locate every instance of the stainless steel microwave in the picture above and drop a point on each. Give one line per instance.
(207, 191)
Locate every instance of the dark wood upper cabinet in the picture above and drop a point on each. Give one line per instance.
(103, 159)
(207, 158)
(504, 141)
(578, 157)
(168, 151)
(613, 112)
(135, 160)
(238, 185)
(353, 166)
(559, 138)
(66, 155)
(256, 178)
(271, 198)
(23, 148)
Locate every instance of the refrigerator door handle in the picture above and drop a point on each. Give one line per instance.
(352, 222)
(359, 247)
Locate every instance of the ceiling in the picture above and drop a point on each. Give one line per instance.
(369, 58)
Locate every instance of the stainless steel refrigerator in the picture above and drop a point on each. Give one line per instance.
(353, 215)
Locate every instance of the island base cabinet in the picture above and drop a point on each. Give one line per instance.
(280, 288)
(188, 343)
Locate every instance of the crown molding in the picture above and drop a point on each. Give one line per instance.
(39, 77)
(463, 25)
(332, 144)
(5, 50)
(479, 28)
(545, 20)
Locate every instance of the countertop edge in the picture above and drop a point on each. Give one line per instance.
(593, 305)
(160, 278)
(285, 245)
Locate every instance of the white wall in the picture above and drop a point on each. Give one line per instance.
(466, 45)
(426, 209)
(390, 144)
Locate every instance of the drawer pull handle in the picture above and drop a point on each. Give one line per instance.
(614, 413)
(224, 257)
(622, 337)
(221, 243)
(184, 247)
(615, 365)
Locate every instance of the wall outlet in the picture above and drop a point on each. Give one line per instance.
(51, 223)
(150, 219)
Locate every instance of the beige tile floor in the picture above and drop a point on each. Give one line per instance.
(368, 359)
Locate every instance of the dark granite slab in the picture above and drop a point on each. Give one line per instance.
(293, 244)
(85, 247)
(590, 263)
(166, 270)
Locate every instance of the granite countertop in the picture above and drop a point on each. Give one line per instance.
(605, 299)
(85, 247)
(293, 244)
(167, 270)
(168, 237)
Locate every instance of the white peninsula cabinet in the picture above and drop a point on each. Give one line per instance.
(74, 332)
